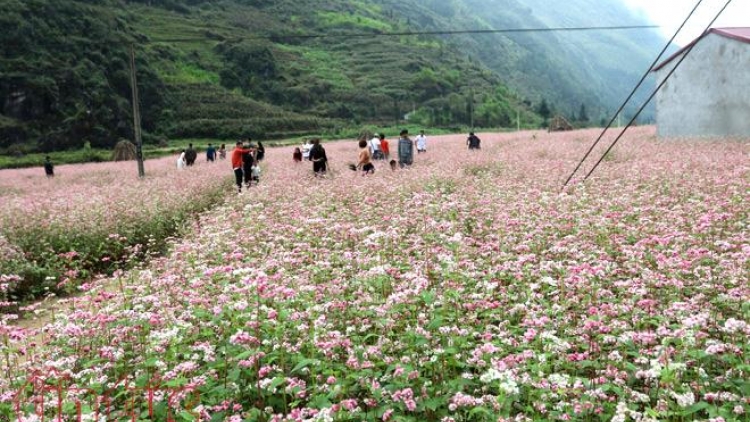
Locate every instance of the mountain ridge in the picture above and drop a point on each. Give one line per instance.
(244, 67)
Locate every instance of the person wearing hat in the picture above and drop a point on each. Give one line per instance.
(405, 149)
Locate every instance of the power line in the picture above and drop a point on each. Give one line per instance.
(632, 93)
(664, 81)
(413, 33)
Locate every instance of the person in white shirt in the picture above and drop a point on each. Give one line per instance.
(181, 160)
(306, 150)
(375, 149)
(421, 142)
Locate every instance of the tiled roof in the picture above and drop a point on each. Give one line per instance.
(738, 34)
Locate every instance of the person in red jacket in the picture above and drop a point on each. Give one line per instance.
(237, 154)
(385, 147)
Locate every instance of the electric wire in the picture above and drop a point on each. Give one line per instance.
(664, 81)
(632, 93)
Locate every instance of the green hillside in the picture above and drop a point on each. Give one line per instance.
(232, 68)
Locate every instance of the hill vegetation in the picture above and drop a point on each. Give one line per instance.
(275, 69)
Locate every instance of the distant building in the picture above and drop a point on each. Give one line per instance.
(708, 94)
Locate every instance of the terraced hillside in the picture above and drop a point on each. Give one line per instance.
(277, 68)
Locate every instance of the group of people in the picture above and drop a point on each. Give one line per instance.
(378, 148)
(313, 151)
(246, 160)
(188, 156)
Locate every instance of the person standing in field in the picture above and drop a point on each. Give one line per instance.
(181, 160)
(297, 155)
(385, 147)
(237, 154)
(222, 152)
(190, 155)
(405, 149)
(473, 141)
(421, 142)
(375, 151)
(210, 153)
(261, 152)
(318, 158)
(306, 149)
(365, 163)
(248, 161)
(49, 169)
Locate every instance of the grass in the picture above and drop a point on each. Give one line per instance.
(333, 19)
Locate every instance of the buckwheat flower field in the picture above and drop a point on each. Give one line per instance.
(89, 216)
(466, 288)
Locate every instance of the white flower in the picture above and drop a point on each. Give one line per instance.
(684, 400)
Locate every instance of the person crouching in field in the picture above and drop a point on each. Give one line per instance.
(365, 159)
(237, 162)
(297, 155)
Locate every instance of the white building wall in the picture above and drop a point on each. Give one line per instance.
(709, 94)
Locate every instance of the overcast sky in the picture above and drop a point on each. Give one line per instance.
(671, 13)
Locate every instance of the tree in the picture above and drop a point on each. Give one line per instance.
(582, 115)
(544, 110)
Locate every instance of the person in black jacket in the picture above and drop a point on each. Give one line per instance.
(261, 152)
(248, 160)
(49, 169)
(318, 157)
(473, 141)
(190, 155)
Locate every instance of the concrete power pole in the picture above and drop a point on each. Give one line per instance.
(518, 120)
(136, 114)
(471, 108)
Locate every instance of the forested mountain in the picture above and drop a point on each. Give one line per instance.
(271, 68)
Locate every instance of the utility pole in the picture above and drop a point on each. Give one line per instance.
(518, 120)
(136, 115)
(471, 108)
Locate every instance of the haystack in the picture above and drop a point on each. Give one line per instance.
(124, 151)
(559, 124)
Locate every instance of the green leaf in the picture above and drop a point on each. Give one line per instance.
(433, 403)
(304, 363)
(697, 407)
(276, 383)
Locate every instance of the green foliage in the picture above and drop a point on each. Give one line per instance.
(342, 20)
(205, 68)
(65, 75)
